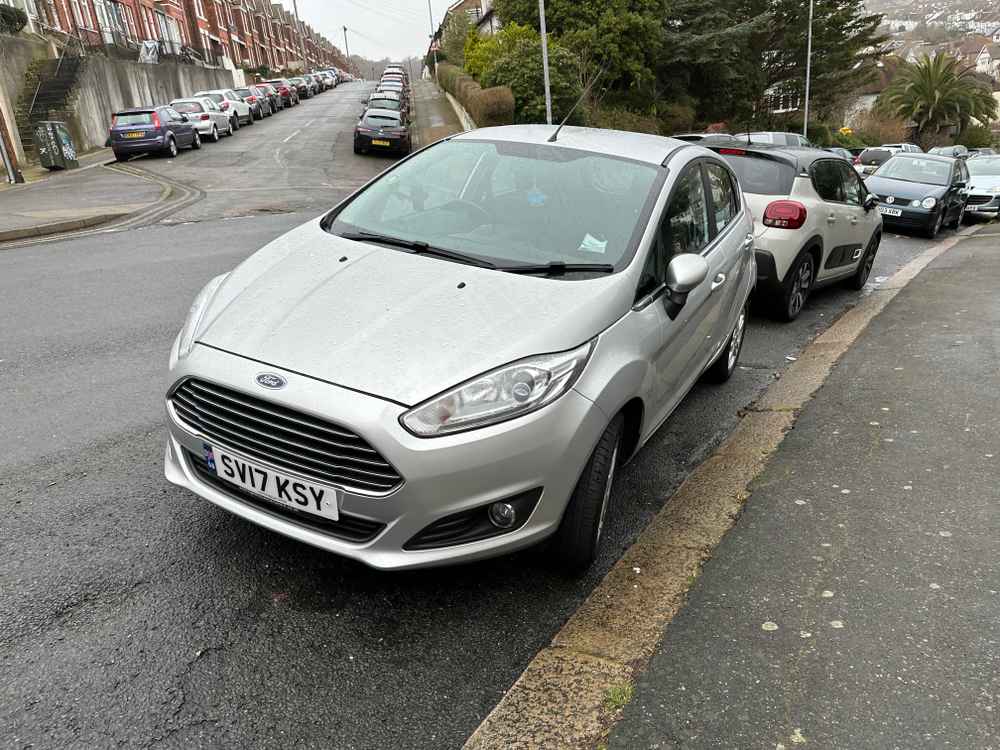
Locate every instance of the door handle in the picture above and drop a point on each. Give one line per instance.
(718, 281)
(748, 242)
(854, 220)
(831, 219)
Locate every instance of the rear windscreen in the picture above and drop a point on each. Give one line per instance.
(374, 121)
(244, 92)
(875, 156)
(760, 175)
(139, 118)
(186, 108)
(384, 104)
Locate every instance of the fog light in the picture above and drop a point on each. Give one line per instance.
(502, 515)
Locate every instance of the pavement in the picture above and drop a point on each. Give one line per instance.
(856, 602)
(134, 614)
(433, 117)
(74, 199)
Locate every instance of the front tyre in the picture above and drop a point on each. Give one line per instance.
(860, 277)
(577, 541)
(196, 143)
(724, 367)
(934, 228)
(214, 137)
(959, 219)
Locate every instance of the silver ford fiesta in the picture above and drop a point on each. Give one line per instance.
(454, 361)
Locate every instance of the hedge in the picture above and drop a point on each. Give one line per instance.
(494, 106)
(12, 20)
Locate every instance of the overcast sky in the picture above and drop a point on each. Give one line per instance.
(376, 28)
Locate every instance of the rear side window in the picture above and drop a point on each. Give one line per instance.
(137, 118)
(188, 107)
(724, 199)
(760, 175)
(827, 180)
(875, 156)
(217, 98)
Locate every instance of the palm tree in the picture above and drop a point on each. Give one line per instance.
(936, 93)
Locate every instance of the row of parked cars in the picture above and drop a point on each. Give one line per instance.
(385, 123)
(211, 115)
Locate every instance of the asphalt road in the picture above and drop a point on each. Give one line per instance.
(135, 614)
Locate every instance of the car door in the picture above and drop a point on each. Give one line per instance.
(217, 115)
(862, 223)
(683, 341)
(730, 254)
(183, 130)
(835, 220)
(961, 186)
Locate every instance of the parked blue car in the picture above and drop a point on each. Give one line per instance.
(147, 130)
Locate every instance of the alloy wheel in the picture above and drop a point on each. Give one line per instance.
(801, 283)
(172, 148)
(607, 491)
(736, 342)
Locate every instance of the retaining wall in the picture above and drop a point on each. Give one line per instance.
(106, 86)
(16, 54)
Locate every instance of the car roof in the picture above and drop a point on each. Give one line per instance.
(652, 149)
(800, 157)
(196, 99)
(384, 95)
(389, 113)
(139, 110)
(930, 157)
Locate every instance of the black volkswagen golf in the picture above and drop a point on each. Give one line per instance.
(921, 191)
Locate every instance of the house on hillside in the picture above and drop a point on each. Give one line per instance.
(988, 60)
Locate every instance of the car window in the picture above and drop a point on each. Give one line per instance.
(827, 180)
(173, 114)
(724, 200)
(188, 107)
(138, 118)
(511, 202)
(684, 228)
(854, 193)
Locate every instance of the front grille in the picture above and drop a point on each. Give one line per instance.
(346, 527)
(284, 437)
(980, 200)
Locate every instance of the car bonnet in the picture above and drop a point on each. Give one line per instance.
(396, 325)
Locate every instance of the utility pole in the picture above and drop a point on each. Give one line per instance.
(545, 62)
(430, 12)
(347, 51)
(302, 37)
(809, 54)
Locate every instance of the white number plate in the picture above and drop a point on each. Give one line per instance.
(889, 211)
(285, 489)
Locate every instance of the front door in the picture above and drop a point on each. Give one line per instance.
(684, 227)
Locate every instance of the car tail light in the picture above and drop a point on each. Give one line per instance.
(204, 117)
(156, 120)
(732, 152)
(785, 215)
(856, 160)
(251, 99)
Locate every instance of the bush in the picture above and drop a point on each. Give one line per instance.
(677, 118)
(520, 68)
(12, 20)
(975, 136)
(617, 118)
(492, 106)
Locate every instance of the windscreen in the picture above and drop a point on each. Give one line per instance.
(929, 171)
(760, 175)
(137, 118)
(510, 203)
(984, 166)
(187, 108)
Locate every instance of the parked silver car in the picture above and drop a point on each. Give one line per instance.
(453, 362)
(206, 116)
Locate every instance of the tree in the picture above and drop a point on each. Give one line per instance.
(976, 136)
(621, 36)
(520, 68)
(482, 52)
(938, 93)
(456, 29)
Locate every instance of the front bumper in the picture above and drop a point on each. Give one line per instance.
(442, 476)
(910, 217)
(983, 204)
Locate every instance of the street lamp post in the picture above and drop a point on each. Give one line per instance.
(430, 12)
(809, 53)
(545, 62)
(347, 51)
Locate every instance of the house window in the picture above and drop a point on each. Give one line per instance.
(199, 9)
(81, 14)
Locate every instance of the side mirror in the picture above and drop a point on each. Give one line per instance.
(870, 202)
(960, 184)
(184, 118)
(685, 273)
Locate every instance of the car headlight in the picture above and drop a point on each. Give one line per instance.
(928, 203)
(994, 190)
(496, 396)
(196, 313)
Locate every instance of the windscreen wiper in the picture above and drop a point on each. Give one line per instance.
(558, 268)
(417, 247)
